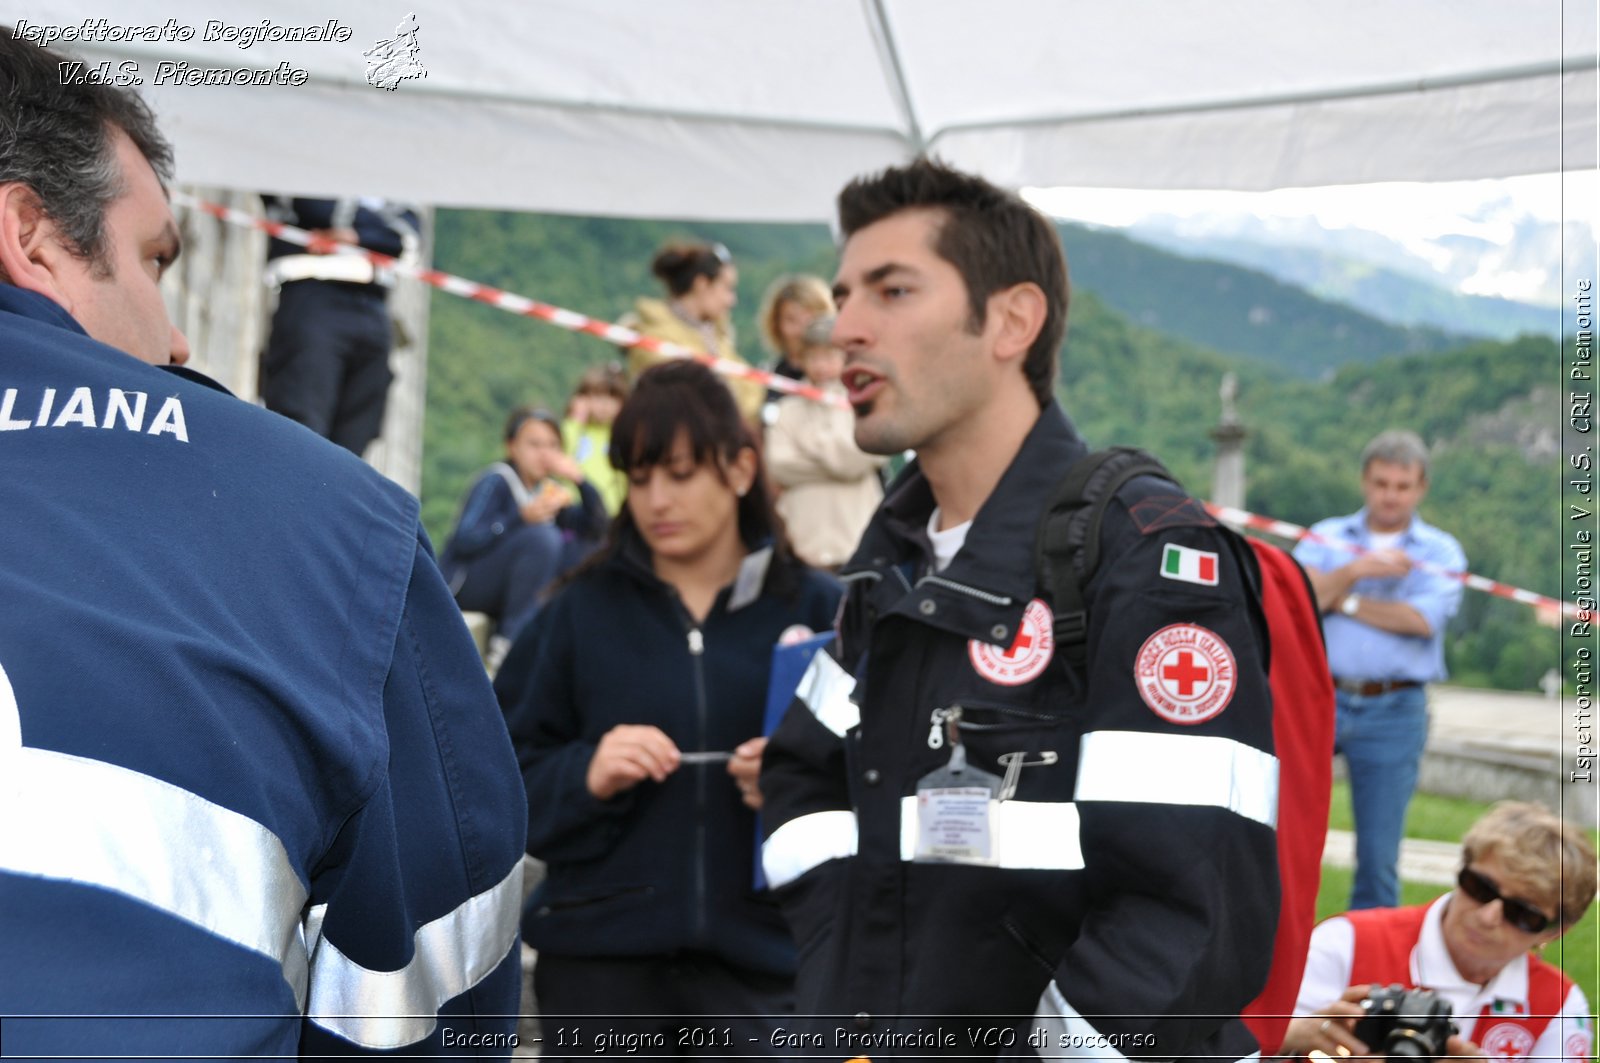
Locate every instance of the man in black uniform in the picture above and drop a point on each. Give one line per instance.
(327, 360)
(981, 849)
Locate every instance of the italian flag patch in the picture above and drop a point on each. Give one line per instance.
(1190, 566)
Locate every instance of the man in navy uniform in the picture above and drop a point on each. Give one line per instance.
(255, 794)
(963, 826)
(327, 361)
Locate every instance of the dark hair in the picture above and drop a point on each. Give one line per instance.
(992, 238)
(677, 265)
(523, 414)
(683, 395)
(56, 138)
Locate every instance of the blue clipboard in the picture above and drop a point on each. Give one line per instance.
(789, 664)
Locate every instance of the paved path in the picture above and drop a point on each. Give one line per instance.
(1486, 745)
(1434, 863)
(1527, 724)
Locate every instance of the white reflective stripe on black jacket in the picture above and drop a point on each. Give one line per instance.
(1132, 894)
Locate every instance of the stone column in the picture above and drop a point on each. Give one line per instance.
(1227, 478)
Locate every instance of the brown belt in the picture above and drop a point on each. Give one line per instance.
(1371, 688)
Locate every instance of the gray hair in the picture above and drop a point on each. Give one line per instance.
(819, 333)
(1398, 446)
(56, 139)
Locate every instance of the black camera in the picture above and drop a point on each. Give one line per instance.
(1405, 1023)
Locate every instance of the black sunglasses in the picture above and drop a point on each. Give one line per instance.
(1520, 914)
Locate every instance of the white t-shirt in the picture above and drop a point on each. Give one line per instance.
(946, 544)
(1384, 540)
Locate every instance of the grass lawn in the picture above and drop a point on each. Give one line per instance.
(1447, 819)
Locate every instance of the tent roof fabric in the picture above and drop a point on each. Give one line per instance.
(761, 109)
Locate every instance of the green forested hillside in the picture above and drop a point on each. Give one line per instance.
(1236, 309)
(1489, 409)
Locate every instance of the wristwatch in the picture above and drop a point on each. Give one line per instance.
(1351, 603)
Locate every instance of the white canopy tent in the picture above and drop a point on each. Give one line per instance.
(760, 109)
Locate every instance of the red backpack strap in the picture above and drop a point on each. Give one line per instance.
(1302, 733)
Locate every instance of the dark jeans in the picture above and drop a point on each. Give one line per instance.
(692, 1006)
(327, 363)
(507, 581)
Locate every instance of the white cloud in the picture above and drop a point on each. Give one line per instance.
(1431, 222)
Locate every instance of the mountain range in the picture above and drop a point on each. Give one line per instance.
(1496, 272)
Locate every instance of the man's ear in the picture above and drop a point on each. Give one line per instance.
(31, 250)
(1016, 315)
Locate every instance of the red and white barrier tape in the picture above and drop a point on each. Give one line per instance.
(624, 337)
(516, 304)
(1283, 529)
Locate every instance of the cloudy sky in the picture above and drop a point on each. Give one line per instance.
(1415, 215)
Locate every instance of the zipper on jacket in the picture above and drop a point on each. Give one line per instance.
(697, 649)
(962, 588)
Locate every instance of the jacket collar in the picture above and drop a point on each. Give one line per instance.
(998, 558)
(32, 305)
(632, 559)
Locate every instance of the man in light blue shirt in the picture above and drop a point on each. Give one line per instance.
(1385, 603)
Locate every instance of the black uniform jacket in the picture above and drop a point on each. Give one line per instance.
(1128, 896)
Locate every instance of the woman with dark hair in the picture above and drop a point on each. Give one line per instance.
(702, 289)
(636, 709)
(519, 528)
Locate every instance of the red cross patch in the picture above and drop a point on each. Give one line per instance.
(1027, 655)
(1186, 673)
(1507, 1042)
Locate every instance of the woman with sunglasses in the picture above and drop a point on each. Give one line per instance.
(520, 526)
(1526, 877)
(702, 286)
(635, 702)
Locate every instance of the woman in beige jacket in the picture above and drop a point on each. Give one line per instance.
(830, 486)
(702, 287)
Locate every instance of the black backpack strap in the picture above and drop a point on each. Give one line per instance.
(1068, 548)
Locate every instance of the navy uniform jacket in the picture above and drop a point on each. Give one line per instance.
(380, 225)
(250, 764)
(1126, 899)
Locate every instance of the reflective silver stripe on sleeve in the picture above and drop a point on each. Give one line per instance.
(1067, 1034)
(108, 826)
(826, 690)
(1179, 769)
(1025, 835)
(806, 842)
(391, 1009)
